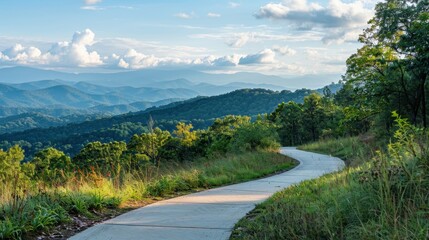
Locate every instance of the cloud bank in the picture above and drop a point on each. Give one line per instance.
(78, 52)
(341, 21)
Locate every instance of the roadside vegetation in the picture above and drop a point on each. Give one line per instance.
(386, 197)
(104, 178)
(378, 124)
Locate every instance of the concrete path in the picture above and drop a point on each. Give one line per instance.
(209, 214)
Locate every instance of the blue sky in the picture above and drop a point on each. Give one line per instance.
(286, 38)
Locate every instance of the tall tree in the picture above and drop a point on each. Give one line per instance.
(391, 70)
(313, 115)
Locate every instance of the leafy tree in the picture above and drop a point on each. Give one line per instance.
(184, 133)
(103, 156)
(259, 135)
(149, 144)
(14, 175)
(219, 135)
(51, 165)
(288, 118)
(10, 163)
(390, 71)
(313, 114)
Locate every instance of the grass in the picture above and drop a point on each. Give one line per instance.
(92, 197)
(353, 150)
(385, 197)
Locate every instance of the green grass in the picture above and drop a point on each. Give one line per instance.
(353, 150)
(42, 208)
(384, 198)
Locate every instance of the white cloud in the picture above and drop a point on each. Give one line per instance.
(91, 8)
(213, 15)
(136, 60)
(233, 5)
(92, 2)
(238, 40)
(264, 57)
(183, 15)
(285, 51)
(79, 52)
(340, 21)
(23, 55)
(74, 53)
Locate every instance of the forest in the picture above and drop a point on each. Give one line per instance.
(200, 112)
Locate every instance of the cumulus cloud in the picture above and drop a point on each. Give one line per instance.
(73, 53)
(227, 61)
(213, 15)
(78, 52)
(183, 15)
(136, 60)
(23, 55)
(339, 20)
(264, 57)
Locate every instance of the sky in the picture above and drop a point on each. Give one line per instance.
(286, 38)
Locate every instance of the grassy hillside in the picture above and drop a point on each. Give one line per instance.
(383, 197)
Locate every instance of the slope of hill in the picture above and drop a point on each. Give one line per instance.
(41, 118)
(66, 96)
(32, 120)
(200, 111)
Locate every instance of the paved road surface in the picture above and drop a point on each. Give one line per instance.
(209, 214)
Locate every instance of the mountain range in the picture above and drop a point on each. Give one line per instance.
(200, 111)
(57, 94)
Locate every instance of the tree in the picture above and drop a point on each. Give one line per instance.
(149, 144)
(259, 135)
(313, 115)
(288, 118)
(14, 175)
(184, 133)
(51, 164)
(219, 135)
(103, 156)
(391, 70)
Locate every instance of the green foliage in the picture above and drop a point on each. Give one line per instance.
(218, 137)
(41, 211)
(184, 134)
(382, 198)
(200, 112)
(104, 156)
(52, 166)
(390, 71)
(318, 117)
(260, 135)
(149, 144)
(313, 114)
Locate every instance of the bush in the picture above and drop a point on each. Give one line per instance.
(259, 135)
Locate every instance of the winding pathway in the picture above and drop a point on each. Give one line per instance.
(210, 214)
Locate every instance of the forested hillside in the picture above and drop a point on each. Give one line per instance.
(199, 111)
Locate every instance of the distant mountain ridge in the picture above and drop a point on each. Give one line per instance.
(200, 111)
(149, 77)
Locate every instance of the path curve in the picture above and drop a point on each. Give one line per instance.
(210, 214)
